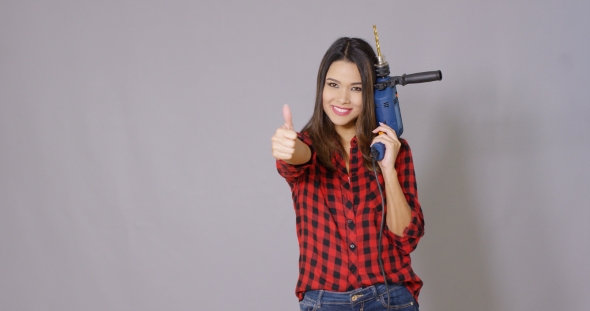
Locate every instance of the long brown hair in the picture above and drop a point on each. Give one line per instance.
(320, 128)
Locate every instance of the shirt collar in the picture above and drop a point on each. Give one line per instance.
(353, 142)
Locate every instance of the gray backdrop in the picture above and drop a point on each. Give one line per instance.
(135, 163)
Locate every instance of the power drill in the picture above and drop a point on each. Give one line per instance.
(386, 103)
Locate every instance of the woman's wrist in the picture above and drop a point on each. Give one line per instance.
(389, 173)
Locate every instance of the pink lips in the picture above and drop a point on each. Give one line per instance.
(341, 111)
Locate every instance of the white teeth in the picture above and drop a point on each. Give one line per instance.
(340, 109)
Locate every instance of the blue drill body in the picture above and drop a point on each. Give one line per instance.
(387, 107)
(387, 112)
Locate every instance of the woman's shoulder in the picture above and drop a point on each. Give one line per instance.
(405, 148)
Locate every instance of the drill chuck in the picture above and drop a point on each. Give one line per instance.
(381, 67)
(382, 70)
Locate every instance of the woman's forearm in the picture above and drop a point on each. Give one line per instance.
(398, 214)
(301, 155)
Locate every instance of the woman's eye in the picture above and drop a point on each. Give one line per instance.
(332, 84)
(357, 89)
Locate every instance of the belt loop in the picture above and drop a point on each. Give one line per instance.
(319, 303)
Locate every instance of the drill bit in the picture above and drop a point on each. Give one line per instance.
(377, 41)
(382, 66)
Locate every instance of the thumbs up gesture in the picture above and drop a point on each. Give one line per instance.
(288, 119)
(285, 144)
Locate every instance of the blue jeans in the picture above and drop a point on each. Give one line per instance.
(370, 298)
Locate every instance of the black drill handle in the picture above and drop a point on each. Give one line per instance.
(421, 77)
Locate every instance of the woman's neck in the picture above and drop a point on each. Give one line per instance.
(346, 134)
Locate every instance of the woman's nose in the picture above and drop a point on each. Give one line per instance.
(344, 97)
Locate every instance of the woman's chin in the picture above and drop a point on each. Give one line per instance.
(344, 123)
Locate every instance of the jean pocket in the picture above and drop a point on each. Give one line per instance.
(400, 299)
(307, 305)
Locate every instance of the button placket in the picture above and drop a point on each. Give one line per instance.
(350, 200)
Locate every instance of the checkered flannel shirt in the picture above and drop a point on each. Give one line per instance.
(338, 216)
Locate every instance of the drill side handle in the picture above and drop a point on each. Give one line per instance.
(413, 78)
(420, 77)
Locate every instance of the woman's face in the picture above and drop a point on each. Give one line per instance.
(342, 97)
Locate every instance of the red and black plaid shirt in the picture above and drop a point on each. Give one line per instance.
(338, 221)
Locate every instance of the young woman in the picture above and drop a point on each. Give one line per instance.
(336, 197)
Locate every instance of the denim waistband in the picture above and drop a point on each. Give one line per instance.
(352, 297)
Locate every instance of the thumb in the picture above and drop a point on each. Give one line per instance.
(287, 117)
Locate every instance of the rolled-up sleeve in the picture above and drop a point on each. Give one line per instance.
(407, 179)
(292, 172)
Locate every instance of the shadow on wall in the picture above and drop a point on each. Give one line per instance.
(456, 271)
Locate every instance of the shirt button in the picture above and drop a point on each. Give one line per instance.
(352, 246)
(349, 221)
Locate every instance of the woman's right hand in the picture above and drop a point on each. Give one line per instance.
(285, 144)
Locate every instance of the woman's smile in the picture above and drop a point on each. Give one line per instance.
(341, 111)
